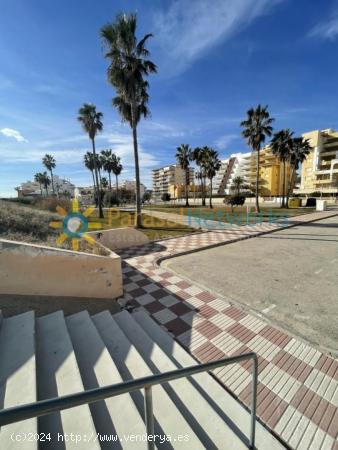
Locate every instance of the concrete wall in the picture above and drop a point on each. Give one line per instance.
(119, 238)
(28, 269)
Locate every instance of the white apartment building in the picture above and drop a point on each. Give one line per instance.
(168, 179)
(237, 165)
(130, 185)
(32, 188)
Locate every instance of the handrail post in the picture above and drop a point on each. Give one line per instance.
(149, 416)
(254, 401)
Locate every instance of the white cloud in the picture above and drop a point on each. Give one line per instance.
(326, 30)
(223, 141)
(189, 28)
(15, 134)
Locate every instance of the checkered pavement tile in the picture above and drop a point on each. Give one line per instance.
(298, 385)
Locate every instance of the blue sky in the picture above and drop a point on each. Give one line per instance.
(215, 60)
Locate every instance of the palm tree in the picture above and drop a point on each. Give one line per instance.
(238, 184)
(107, 163)
(104, 182)
(212, 166)
(117, 169)
(300, 150)
(184, 155)
(256, 128)
(49, 162)
(91, 121)
(39, 178)
(281, 146)
(45, 181)
(199, 155)
(89, 163)
(127, 71)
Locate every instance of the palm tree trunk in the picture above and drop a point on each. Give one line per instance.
(94, 186)
(117, 188)
(204, 191)
(97, 182)
(284, 179)
(109, 176)
(51, 176)
(41, 190)
(290, 185)
(138, 222)
(257, 182)
(186, 187)
(210, 198)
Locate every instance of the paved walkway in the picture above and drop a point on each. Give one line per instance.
(298, 385)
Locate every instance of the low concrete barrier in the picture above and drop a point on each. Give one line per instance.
(29, 269)
(119, 238)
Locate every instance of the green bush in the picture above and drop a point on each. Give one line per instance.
(235, 200)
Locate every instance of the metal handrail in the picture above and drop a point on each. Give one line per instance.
(43, 407)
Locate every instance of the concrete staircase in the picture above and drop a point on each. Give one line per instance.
(54, 355)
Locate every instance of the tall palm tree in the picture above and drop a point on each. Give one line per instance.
(281, 146)
(107, 163)
(45, 181)
(117, 169)
(39, 178)
(127, 71)
(184, 156)
(256, 128)
(238, 183)
(49, 162)
(199, 155)
(300, 150)
(91, 121)
(212, 166)
(89, 163)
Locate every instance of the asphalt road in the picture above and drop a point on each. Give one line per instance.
(289, 276)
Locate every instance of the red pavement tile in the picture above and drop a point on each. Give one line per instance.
(208, 329)
(293, 366)
(234, 313)
(206, 311)
(183, 284)
(207, 352)
(275, 336)
(241, 333)
(206, 297)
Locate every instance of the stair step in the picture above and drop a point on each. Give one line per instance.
(17, 376)
(209, 426)
(114, 416)
(58, 374)
(168, 420)
(211, 389)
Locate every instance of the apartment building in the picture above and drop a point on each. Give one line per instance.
(130, 185)
(32, 188)
(320, 170)
(170, 179)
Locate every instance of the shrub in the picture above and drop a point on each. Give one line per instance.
(166, 197)
(23, 220)
(311, 202)
(22, 200)
(235, 200)
(50, 204)
(110, 199)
